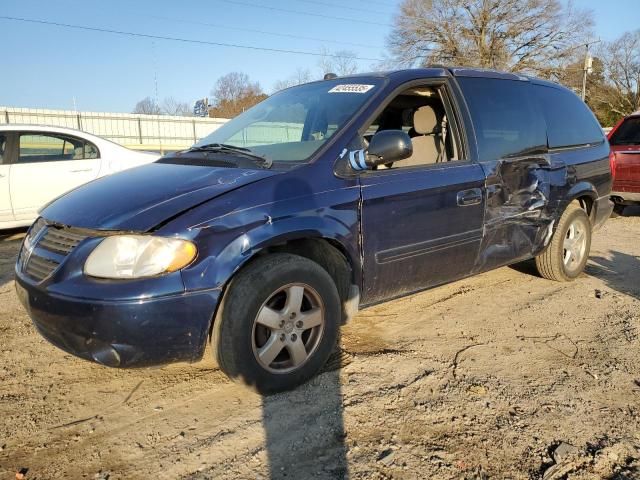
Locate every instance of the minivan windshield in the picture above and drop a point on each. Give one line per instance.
(628, 133)
(291, 125)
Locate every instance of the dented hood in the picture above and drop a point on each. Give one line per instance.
(141, 198)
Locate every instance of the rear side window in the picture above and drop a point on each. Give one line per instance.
(45, 148)
(506, 117)
(569, 120)
(628, 133)
(91, 151)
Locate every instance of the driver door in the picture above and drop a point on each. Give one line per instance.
(422, 225)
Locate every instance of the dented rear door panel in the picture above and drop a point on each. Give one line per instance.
(523, 195)
(527, 196)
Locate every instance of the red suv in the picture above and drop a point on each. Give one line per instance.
(625, 161)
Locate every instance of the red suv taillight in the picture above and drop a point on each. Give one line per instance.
(612, 163)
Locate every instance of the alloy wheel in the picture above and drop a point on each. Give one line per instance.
(288, 328)
(574, 246)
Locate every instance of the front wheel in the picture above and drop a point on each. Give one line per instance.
(277, 324)
(566, 255)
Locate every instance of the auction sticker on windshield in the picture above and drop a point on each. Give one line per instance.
(351, 88)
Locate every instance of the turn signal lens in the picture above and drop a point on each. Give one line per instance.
(183, 256)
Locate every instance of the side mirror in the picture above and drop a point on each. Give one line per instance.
(387, 146)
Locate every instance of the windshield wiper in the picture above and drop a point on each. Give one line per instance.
(223, 147)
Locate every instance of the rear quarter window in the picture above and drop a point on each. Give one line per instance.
(506, 117)
(628, 133)
(569, 120)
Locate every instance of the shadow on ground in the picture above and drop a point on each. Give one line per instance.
(631, 211)
(621, 272)
(527, 267)
(305, 435)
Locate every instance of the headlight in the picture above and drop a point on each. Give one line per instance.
(135, 256)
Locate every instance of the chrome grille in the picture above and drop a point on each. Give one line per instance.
(40, 268)
(60, 240)
(49, 249)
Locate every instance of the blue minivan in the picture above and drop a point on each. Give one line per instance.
(268, 234)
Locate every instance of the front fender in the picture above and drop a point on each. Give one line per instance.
(217, 268)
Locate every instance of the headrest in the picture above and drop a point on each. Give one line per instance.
(425, 120)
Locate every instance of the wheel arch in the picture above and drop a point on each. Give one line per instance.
(330, 252)
(585, 195)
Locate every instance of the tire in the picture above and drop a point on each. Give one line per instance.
(266, 308)
(564, 264)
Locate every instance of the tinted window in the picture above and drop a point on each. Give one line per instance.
(569, 120)
(506, 118)
(46, 148)
(628, 133)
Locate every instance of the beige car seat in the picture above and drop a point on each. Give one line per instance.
(428, 146)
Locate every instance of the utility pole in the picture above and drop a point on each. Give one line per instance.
(587, 67)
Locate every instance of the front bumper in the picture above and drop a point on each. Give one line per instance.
(132, 333)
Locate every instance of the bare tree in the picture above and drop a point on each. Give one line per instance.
(300, 76)
(233, 94)
(171, 106)
(621, 59)
(342, 62)
(147, 106)
(513, 35)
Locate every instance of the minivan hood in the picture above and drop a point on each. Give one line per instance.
(143, 197)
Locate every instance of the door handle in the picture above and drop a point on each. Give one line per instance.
(469, 197)
(81, 170)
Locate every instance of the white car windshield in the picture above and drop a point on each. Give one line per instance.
(291, 125)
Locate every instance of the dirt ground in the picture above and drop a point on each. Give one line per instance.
(503, 375)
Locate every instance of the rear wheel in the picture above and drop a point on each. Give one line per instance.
(566, 255)
(277, 324)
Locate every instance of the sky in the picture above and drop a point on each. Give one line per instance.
(52, 67)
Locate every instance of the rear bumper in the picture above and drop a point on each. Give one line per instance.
(603, 208)
(146, 332)
(631, 197)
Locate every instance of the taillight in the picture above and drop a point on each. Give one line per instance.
(612, 163)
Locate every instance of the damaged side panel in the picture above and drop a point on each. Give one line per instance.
(232, 232)
(523, 198)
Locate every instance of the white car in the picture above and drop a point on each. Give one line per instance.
(39, 163)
